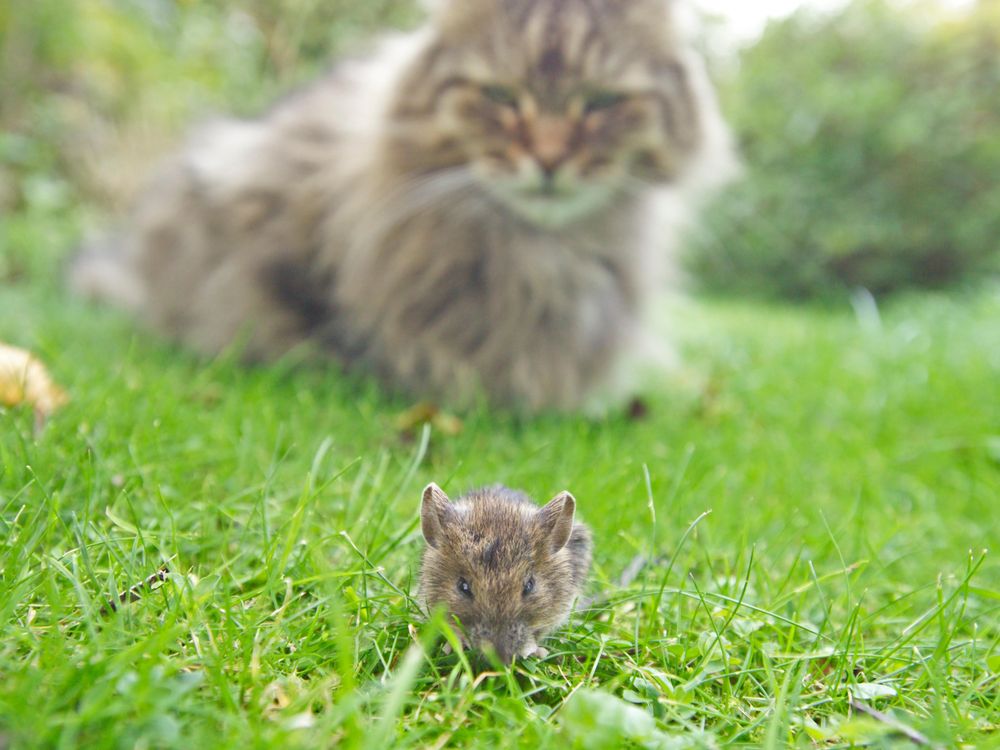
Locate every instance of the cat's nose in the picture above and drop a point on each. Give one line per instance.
(549, 166)
(550, 144)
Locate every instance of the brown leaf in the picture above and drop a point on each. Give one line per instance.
(416, 416)
(638, 409)
(24, 380)
(427, 413)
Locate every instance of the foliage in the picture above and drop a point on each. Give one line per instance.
(94, 91)
(872, 138)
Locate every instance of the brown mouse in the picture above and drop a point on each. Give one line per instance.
(505, 569)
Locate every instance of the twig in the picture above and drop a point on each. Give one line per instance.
(911, 734)
(135, 593)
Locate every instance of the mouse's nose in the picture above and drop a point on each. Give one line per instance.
(504, 652)
(506, 655)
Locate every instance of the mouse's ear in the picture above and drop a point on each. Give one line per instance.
(436, 512)
(557, 520)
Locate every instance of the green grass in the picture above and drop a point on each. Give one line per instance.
(849, 469)
(815, 491)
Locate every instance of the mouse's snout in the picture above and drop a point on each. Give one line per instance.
(507, 641)
(504, 652)
(504, 648)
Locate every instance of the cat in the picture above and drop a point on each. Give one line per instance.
(481, 206)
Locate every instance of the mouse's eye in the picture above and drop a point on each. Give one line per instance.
(529, 586)
(464, 588)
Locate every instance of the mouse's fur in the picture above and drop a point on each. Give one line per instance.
(505, 569)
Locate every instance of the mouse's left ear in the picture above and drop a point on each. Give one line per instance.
(435, 512)
(557, 520)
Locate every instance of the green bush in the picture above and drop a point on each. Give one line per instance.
(872, 139)
(93, 91)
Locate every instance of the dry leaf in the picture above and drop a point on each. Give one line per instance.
(869, 691)
(638, 409)
(24, 380)
(427, 413)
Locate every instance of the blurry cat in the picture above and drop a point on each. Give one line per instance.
(483, 205)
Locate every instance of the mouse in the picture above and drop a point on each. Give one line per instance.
(504, 569)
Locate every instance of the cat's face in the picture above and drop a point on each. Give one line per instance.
(556, 106)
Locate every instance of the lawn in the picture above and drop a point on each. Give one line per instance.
(814, 492)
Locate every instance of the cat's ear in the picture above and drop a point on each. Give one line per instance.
(461, 16)
(556, 520)
(436, 512)
(436, 8)
(652, 10)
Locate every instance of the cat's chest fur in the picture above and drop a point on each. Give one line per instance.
(482, 300)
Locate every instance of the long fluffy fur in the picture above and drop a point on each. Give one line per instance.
(349, 217)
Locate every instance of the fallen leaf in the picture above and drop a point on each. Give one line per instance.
(596, 719)
(868, 691)
(637, 410)
(24, 380)
(427, 413)
(304, 720)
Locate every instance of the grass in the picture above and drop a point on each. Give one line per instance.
(815, 500)
(818, 509)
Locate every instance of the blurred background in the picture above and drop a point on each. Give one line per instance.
(870, 128)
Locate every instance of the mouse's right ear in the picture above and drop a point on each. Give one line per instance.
(436, 512)
(557, 520)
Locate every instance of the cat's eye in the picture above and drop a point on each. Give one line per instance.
(499, 94)
(596, 101)
(529, 586)
(464, 588)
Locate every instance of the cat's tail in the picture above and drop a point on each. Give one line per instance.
(101, 270)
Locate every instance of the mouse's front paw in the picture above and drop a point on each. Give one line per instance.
(531, 648)
(448, 650)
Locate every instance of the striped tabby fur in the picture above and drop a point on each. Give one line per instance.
(480, 206)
